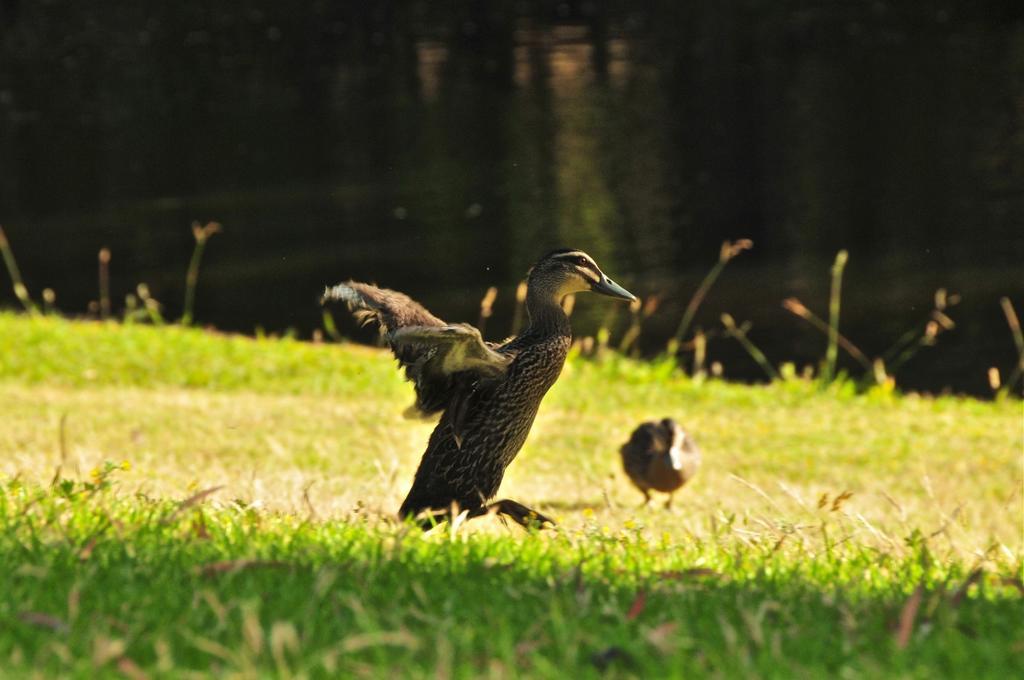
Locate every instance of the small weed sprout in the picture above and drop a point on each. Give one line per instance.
(151, 306)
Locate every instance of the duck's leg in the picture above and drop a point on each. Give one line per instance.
(668, 503)
(647, 497)
(518, 512)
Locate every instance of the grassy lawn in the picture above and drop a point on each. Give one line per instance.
(827, 535)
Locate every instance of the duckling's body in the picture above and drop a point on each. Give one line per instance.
(488, 395)
(660, 456)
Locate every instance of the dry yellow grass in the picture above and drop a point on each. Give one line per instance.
(770, 455)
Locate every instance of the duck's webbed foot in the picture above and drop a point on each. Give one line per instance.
(519, 513)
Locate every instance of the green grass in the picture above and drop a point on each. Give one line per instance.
(294, 567)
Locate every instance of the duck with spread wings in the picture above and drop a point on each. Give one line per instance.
(487, 394)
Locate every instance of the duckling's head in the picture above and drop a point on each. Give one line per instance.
(566, 271)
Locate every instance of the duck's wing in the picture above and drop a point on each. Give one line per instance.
(389, 309)
(449, 364)
(452, 348)
(443, 361)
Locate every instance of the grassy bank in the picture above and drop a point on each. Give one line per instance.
(818, 520)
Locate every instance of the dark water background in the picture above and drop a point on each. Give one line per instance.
(441, 147)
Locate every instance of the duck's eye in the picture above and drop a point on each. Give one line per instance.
(582, 261)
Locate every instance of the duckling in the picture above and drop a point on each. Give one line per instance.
(660, 456)
(487, 394)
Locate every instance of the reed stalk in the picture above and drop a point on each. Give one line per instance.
(633, 332)
(1018, 339)
(740, 334)
(797, 308)
(641, 310)
(832, 351)
(700, 349)
(104, 275)
(49, 301)
(20, 290)
(486, 308)
(201, 234)
(913, 340)
(728, 251)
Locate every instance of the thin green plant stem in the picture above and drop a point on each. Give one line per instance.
(797, 308)
(696, 300)
(906, 355)
(740, 334)
(1018, 339)
(904, 341)
(727, 253)
(20, 290)
(202, 234)
(914, 339)
(832, 351)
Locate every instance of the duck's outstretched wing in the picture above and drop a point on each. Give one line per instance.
(443, 361)
(390, 309)
(451, 349)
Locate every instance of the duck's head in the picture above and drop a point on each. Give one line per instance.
(566, 271)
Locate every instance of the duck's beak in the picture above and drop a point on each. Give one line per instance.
(612, 289)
